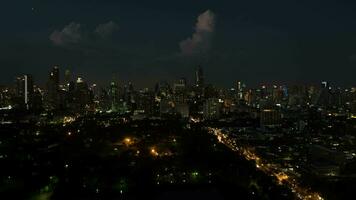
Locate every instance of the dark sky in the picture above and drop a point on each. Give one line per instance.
(255, 41)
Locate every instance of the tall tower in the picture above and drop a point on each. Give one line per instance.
(54, 76)
(114, 95)
(67, 77)
(28, 90)
(199, 77)
(53, 88)
(24, 89)
(240, 87)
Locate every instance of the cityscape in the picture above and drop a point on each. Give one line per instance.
(75, 139)
(203, 99)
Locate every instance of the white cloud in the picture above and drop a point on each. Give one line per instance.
(201, 38)
(71, 34)
(107, 29)
(74, 34)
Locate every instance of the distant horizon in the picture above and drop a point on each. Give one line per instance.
(190, 80)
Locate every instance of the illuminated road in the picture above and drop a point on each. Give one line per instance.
(288, 180)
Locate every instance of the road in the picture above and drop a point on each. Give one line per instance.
(272, 169)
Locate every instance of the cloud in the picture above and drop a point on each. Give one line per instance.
(74, 34)
(106, 30)
(71, 34)
(200, 41)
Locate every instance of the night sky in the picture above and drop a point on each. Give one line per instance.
(144, 41)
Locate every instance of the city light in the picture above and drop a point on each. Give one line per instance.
(117, 100)
(154, 152)
(128, 141)
(268, 168)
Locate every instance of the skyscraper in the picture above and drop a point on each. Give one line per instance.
(179, 91)
(114, 95)
(52, 96)
(83, 96)
(199, 77)
(270, 118)
(212, 108)
(240, 87)
(67, 77)
(24, 90)
(54, 76)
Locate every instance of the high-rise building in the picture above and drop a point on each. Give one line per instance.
(179, 91)
(325, 97)
(199, 77)
(270, 118)
(114, 95)
(52, 97)
(37, 100)
(240, 88)
(54, 76)
(166, 106)
(83, 96)
(182, 109)
(145, 102)
(67, 77)
(325, 84)
(212, 108)
(24, 90)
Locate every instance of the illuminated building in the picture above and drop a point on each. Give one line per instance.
(325, 84)
(240, 87)
(166, 106)
(270, 118)
(83, 96)
(67, 78)
(145, 102)
(325, 97)
(212, 108)
(52, 95)
(114, 95)
(179, 91)
(24, 90)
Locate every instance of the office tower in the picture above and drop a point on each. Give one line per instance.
(67, 77)
(199, 77)
(163, 90)
(270, 118)
(179, 91)
(166, 106)
(325, 95)
(54, 76)
(37, 100)
(240, 88)
(145, 102)
(24, 90)
(277, 94)
(182, 109)
(131, 94)
(52, 95)
(83, 97)
(179, 85)
(212, 108)
(325, 84)
(114, 96)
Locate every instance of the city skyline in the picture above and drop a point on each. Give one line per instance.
(65, 76)
(188, 99)
(144, 42)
